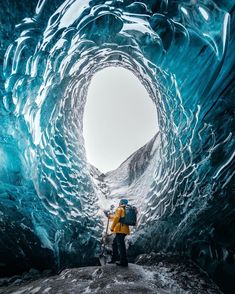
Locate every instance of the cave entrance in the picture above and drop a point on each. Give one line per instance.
(119, 118)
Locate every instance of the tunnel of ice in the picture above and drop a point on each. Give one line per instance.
(183, 179)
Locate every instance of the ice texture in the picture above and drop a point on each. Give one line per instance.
(182, 181)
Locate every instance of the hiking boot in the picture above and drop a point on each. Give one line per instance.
(121, 263)
(113, 260)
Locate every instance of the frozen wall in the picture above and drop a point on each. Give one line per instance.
(182, 52)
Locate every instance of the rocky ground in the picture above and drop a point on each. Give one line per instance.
(165, 276)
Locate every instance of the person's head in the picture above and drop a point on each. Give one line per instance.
(123, 202)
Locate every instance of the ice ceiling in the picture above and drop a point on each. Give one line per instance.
(182, 51)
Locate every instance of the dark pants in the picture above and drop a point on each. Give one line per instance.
(119, 248)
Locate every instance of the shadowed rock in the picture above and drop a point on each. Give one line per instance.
(162, 278)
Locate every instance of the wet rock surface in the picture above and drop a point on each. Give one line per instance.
(161, 278)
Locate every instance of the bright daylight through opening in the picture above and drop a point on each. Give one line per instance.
(119, 118)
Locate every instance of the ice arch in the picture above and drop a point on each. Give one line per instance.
(119, 118)
(183, 179)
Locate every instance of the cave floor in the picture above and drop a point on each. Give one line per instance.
(113, 279)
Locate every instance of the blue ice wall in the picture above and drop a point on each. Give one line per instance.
(182, 51)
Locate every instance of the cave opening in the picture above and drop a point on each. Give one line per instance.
(119, 117)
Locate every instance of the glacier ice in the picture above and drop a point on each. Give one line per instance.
(183, 179)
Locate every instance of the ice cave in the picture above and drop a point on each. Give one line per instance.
(182, 180)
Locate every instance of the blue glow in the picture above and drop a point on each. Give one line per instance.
(182, 181)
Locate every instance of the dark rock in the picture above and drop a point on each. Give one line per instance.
(112, 279)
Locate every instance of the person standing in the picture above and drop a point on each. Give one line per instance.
(120, 230)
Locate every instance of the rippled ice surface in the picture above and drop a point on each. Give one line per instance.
(182, 181)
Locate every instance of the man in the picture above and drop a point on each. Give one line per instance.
(120, 230)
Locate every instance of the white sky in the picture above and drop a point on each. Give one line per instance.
(119, 118)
